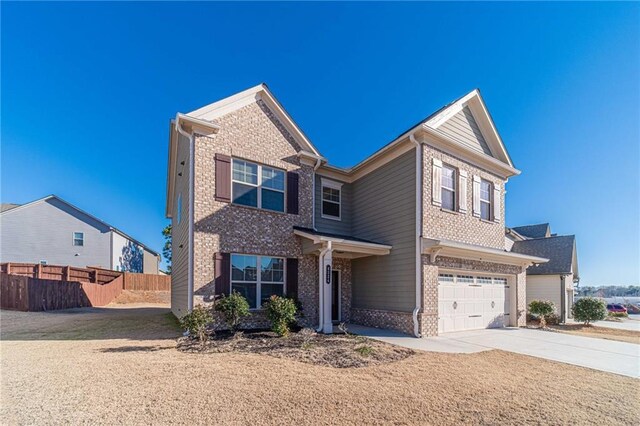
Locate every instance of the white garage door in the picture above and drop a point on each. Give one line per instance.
(467, 302)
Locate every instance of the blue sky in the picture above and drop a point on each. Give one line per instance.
(88, 91)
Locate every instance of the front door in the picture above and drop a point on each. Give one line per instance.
(335, 296)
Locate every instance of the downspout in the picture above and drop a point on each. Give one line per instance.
(563, 298)
(323, 251)
(313, 196)
(191, 212)
(418, 272)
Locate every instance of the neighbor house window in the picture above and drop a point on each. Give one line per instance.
(43, 262)
(331, 199)
(78, 238)
(448, 188)
(485, 199)
(257, 278)
(258, 186)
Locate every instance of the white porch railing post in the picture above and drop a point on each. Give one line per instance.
(327, 326)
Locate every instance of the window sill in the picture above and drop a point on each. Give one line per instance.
(337, 219)
(258, 209)
(489, 221)
(450, 211)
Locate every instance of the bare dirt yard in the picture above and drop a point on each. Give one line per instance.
(120, 365)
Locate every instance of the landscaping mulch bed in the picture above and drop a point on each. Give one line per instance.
(330, 350)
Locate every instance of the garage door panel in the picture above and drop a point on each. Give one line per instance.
(477, 305)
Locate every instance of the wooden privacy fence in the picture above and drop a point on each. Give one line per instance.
(24, 293)
(60, 273)
(146, 282)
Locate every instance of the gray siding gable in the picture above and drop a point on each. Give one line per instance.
(463, 128)
(44, 230)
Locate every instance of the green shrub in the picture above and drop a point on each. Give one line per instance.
(281, 311)
(196, 321)
(588, 309)
(233, 308)
(543, 309)
(364, 350)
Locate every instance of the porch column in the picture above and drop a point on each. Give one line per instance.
(327, 266)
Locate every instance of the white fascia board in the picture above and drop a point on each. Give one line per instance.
(346, 245)
(441, 247)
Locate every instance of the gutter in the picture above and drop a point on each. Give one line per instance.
(418, 274)
(313, 196)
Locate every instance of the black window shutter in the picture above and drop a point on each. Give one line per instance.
(292, 192)
(222, 273)
(292, 278)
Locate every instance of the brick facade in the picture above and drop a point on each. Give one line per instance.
(455, 226)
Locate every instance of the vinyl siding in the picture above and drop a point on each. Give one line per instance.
(44, 231)
(342, 226)
(180, 233)
(150, 263)
(544, 287)
(384, 211)
(463, 127)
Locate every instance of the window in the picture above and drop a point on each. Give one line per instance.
(78, 238)
(485, 200)
(448, 188)
(258, 186)
(257, 285)
(445, 278)
(43, 262)
(464, 279)
(484, 280)
(331, 198)
(500, 281)
(179, 209)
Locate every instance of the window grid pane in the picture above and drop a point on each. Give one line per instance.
(445, 278)
(331, 194)
(273, 179)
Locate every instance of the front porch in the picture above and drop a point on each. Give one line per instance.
(334, 254)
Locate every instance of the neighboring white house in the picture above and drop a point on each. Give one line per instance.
(53, 231)
(556, 279)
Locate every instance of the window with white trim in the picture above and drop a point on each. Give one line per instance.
(500, 281)
(331, 199)
(78, 238)
(257, 278)
(258, 186)
(445, 278)
(448, 188)
(484, 280)
(485, 199)
(464, 279)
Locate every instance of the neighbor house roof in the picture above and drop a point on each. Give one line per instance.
(7, 206)
(560, 250)
(17, 207)
(540, 230)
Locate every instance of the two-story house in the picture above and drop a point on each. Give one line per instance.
(411, 239)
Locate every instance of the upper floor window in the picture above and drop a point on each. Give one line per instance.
(448, 188)
(258, 186)
(78, 238)
(485, 199)
(331, 199)
(257, 278)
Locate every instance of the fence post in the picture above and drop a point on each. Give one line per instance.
(38, 270)
(65, 272)
(8, 267)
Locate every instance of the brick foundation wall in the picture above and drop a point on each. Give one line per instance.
(399, 321)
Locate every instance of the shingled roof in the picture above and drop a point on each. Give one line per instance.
(541, 230)
(560, 250)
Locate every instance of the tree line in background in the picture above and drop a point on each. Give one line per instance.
(610, 291)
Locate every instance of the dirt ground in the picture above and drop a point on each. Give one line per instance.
(628, 336)
(120, 365)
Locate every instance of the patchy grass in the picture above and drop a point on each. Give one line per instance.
(628, 336)
(133, 376)
(337, 350)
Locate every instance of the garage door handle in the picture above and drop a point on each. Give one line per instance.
(455, 305)
(474, 316)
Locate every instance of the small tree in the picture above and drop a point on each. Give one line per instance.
(166, 249)
(588, 309)
(233, 307)
(543, 309)
(281, 311)
(196, 321)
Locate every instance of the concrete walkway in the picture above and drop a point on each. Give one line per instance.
(599, 354)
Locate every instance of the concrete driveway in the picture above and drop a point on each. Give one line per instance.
(599, 354)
